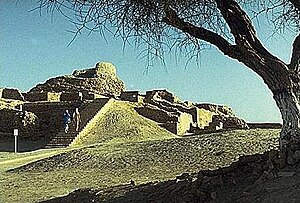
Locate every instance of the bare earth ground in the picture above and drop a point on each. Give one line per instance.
(107, 169)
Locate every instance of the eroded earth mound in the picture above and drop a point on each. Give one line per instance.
(102, 79)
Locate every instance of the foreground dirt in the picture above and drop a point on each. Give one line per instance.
(144, 171)
(251, 179)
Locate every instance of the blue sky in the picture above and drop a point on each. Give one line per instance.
(34, 48)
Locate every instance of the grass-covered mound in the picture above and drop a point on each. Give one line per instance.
(121, 123)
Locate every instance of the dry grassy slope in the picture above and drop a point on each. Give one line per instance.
(121, 123)
(105, 165)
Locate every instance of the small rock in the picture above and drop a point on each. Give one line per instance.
(183, 176)
(132, 183)
(286, 173)
(213, 195)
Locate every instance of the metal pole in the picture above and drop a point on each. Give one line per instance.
(16, 139)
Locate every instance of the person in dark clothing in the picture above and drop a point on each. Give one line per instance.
(66, 120)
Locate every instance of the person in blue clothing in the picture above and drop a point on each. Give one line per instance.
(66, 120)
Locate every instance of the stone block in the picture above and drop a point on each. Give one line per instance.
(71, 96)
(184, 124)
(42, 96)
(161, 95)
(10, 93)
(132, 96)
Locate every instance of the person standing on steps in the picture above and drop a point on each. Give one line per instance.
(77, 119)
(66, 120)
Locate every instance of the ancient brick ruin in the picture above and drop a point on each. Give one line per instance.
(181, 118)
(132, 96)
(11, 93)
(38, 112)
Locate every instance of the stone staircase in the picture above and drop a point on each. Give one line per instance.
(87, 112)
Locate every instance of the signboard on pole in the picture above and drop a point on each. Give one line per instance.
(16, 133)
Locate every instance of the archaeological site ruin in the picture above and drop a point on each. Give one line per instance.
(38, 113)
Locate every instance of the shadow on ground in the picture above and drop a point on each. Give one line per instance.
(254, 178)
(24, 144)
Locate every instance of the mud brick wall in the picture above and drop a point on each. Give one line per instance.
(50, 115)
(71, 96)
(156, 114)
(8, 93)
(172, 127)
(132, 96)
(201, 117)
(161, 94)
(184, 124)
(219, 109)
(43, 96)
(204, 117)
(26, 122)
(265, 125)
(7, 117)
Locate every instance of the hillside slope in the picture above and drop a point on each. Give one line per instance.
(121, 123)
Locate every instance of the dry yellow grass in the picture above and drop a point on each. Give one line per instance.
(119, 122)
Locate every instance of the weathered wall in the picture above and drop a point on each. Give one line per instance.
(219, 109)
(204, 117)
(172, 127)
(184, 123)
(71, 96)
(161, 95)
(50, 115)
(176, 122)
(26, 122)
(156, 114)
(200, 117)
(42, 96)
(132, 96)
(10, 93)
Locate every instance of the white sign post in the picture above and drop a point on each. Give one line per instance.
(16, 132)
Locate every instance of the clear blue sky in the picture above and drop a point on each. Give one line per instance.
(34, 48)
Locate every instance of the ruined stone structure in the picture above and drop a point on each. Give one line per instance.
(60, 96)
(132, 96)
(218, 109)
(161, 95)
(11, 93)
(99, 80)
(184, 117)
(42, 96)
(26, 122)
(39, 112)
(71, 96)
(176, 122)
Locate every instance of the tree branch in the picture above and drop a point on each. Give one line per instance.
(172, 19)
(240, 25)
(295, 60)
(296, 3)
(263, 63)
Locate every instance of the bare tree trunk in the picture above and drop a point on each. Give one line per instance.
(288, 103)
